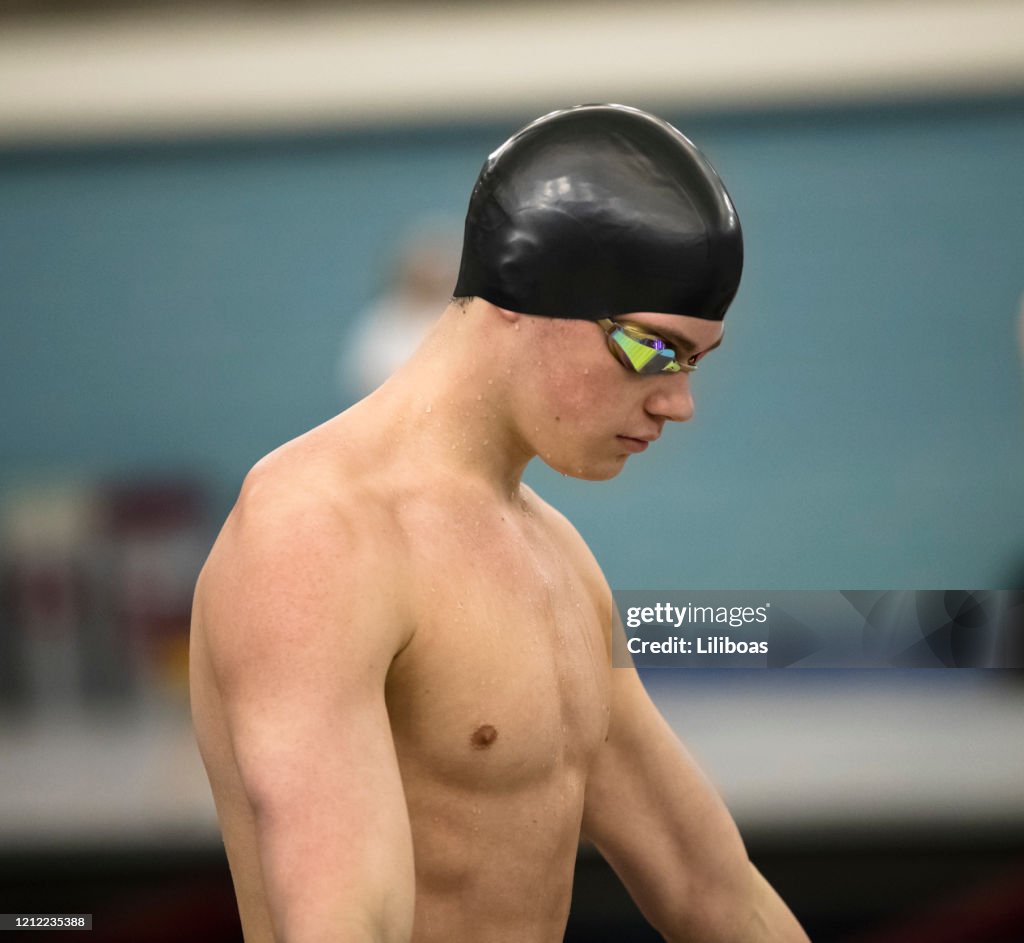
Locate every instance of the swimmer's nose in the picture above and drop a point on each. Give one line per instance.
(672, 400)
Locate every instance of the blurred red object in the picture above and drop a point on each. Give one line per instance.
(157, 539)
(991, 913)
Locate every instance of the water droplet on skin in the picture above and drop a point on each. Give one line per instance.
(586, 370)
(490, 381)
(515, 327)
(479, 396)
(428, 409)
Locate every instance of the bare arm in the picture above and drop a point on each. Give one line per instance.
(660, 824)
(301, 628)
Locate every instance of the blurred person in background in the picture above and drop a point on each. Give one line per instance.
(401, 669)
(395, 323)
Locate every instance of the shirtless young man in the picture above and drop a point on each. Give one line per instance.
(402, 683)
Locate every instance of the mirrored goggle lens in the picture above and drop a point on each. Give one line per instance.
(643, 354)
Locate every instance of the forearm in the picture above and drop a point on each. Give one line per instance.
(678, 850)
(751, 912)
(771, 921)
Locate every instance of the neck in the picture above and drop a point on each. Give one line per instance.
(450, 405)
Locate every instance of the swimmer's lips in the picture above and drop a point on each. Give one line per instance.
(636, 444)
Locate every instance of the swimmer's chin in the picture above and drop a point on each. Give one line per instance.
(603, 472)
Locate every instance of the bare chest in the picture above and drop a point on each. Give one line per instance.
(506, 681)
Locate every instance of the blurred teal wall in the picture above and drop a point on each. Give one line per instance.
(181, 307)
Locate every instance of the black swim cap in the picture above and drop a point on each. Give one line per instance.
(597, 211)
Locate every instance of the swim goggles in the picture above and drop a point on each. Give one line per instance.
(645, 353)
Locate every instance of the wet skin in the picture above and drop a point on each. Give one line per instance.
(401, 678)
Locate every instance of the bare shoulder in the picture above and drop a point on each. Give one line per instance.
(304, 557)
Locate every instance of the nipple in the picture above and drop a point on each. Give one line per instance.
(483, 737)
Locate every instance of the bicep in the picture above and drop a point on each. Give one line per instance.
(300, 651)
(332, 827)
